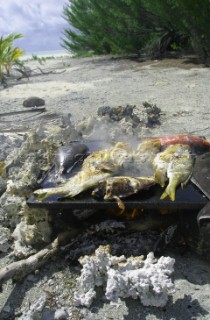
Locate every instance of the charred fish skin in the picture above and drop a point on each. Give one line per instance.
(161, 163)
(68, 156)
(179, 171)
(122, 186)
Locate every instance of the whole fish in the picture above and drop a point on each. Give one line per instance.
(121, 187)
(75, 185)
(96, 167)
(161, 163)
(188, 139)
(69, 155)
(179, 171)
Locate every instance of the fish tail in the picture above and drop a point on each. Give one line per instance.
(42, 194)
(169, 192)
(160, 178)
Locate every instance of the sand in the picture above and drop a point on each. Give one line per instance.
(80, 86)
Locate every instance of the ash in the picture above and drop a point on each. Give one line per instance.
(114, 233)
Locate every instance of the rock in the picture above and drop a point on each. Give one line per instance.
(32, 102)
(60, 314)
(124, 277)
(3, 186)
(4, 239)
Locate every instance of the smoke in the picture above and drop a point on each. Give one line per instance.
(109, 132)
(106, 132)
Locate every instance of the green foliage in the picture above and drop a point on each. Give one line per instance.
(126, 26)
(9, 53)
(106, 26)
(41, 60)
(186, 17)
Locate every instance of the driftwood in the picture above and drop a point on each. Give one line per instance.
(32, 73)
(51, 72)
(19, 269)
(26, 73)
(22, 111)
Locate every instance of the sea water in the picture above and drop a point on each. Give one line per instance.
(44, 54)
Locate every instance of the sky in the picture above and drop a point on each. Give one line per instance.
(40, 21)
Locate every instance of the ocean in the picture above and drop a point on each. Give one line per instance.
(40, 54)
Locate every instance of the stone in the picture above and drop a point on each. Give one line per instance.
(32, 102)
(5, 236)
(60, 314)
(3, 185)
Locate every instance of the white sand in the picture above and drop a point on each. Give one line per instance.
(79, 86)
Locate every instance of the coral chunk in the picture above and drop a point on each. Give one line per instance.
(124, 277)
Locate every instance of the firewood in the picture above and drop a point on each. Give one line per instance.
(19, 269)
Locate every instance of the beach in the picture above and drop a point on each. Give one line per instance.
(75, 88)
(80, 86)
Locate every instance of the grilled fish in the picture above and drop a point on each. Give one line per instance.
(121, 187)
(188, 139)
(161, 162)
(178, 171)
(98, 166)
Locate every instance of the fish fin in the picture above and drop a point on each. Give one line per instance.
(184, 183)
(41, 196)
(169, 192)
(120, 203)
(159, 179)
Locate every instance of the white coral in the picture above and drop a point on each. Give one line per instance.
(134, 277)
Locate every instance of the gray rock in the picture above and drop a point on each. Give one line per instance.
(60, 314)
(33, 102)
(5, 236)
(3, 186)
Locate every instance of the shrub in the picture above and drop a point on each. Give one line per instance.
(130, 25)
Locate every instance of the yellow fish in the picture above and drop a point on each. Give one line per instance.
(179, 171)
(161, 163)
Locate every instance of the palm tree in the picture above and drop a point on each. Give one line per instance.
(9, 53)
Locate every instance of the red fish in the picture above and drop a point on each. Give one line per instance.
(183, 139)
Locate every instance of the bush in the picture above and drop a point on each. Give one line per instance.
(118, 26)
(126, 26)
